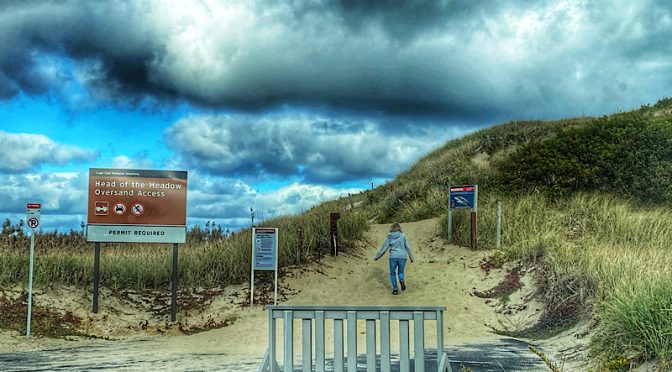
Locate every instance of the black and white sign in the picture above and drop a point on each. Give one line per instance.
(33, 223)
(265, 248)
(264, 256)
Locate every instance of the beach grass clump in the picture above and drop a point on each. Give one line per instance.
(635, 323)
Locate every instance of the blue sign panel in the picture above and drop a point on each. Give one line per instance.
(265, 243)
(462, 197)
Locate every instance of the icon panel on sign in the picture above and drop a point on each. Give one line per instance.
(102, 208)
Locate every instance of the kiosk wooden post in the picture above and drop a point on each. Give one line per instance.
(173, 286)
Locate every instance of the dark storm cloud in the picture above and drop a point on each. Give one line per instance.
(107, 41)
(476, 61)
(286, 144)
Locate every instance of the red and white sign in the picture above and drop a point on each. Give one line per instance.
(33, 215)
(462, 188)
(137, 209)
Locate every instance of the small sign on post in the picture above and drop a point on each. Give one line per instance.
(264, 256)
(463, 197)
(33, 222)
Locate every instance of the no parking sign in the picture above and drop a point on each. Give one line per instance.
(33, 222)
(33, 215)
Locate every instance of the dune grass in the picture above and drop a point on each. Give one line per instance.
(206, 259)
(611, 256)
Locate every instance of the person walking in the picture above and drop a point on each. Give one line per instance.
(397, 244)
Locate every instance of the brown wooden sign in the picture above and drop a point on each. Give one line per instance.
(122, 198)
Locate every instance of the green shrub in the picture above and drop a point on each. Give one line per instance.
(627, 154)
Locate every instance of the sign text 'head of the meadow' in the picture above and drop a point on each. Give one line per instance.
(137, 205)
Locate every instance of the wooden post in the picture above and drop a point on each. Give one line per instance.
(450, 225)
(474, 216)
(300, 234)
(473, 230)
(333, 222)
(96, 276)
(173, 297)
(297, 258)
(450, 220)
(498, 241)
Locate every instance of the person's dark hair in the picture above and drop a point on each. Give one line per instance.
(395, 227)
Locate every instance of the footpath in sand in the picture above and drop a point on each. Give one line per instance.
(442, 275)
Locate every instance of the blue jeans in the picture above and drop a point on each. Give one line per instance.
(396, 264)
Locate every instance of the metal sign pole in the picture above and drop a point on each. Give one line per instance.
(450, 219)
(173, 285)
(474, 219)
(498, 240)
(33, 222)
(252, 271)
(30, 281)
(96, 276)
(476, 198)
(275, 298)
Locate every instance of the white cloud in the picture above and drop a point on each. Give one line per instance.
(232, 208)
(24, 151)
(323, 149)
(63, 193)
(125, 162)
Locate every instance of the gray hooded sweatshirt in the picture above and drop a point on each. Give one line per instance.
(397, 243)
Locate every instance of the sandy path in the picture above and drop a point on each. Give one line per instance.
(442, 275)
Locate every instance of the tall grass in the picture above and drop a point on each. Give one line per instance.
(607, 254)
(205, 260)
